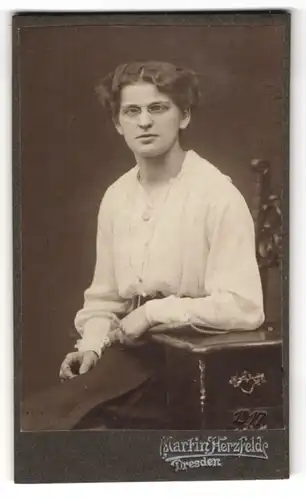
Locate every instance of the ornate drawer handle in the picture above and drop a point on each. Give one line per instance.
(247, 382)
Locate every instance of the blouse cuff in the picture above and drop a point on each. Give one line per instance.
(95, 332)
(168, 310)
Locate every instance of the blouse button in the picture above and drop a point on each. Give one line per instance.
(146, 216)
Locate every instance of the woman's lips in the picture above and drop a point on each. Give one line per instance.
(147, 137)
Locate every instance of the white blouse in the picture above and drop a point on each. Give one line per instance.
(197, 248)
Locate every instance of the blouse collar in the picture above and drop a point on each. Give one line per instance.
(188, 155)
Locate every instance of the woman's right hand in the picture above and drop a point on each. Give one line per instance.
(77, 363)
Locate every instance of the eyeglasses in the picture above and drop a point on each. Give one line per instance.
(155, 108)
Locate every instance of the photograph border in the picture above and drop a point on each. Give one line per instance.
(126, 455)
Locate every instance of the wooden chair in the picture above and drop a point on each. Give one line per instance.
(235, 380)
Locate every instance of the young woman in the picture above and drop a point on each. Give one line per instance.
(172, 227)
(175, 239)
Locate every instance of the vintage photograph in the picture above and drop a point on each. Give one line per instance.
(151, 258)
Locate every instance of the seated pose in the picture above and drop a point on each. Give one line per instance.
(175, 238)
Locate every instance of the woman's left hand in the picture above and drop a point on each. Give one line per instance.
(133, 326)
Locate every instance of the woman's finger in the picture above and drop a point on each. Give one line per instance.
(65, 370)
(89, 360)
(116, 335)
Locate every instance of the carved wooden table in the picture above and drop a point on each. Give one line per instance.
(229, 381)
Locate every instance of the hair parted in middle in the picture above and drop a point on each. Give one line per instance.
(180, 84)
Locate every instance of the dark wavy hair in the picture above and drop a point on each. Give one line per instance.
(180, 84)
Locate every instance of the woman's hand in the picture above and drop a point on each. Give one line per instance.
(132, 327)
(77, 363)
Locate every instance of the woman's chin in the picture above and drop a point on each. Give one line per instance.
(150, 151)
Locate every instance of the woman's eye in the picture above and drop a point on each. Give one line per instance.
(131, 111)
(158, 108)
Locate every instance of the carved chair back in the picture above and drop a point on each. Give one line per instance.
(266, 212)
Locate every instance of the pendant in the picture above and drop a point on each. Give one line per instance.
(146, 216)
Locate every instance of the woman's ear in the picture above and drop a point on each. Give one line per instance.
(185, 120)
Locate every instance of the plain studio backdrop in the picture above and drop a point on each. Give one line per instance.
(70, 151)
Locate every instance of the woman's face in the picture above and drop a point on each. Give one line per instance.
(149, 120)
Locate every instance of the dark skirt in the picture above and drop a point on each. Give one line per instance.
(124, 390)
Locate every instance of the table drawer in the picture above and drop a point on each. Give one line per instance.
(225, 389)
(245, 377)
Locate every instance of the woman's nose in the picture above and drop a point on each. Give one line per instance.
(145, 119)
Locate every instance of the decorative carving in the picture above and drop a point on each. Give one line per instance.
(267, 216)
(246, 382)
(202, 385)
(246, 419)
(269, 238)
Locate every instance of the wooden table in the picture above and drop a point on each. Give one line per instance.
(224, 381)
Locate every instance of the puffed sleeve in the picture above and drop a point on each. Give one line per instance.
(101, 299)
(232, 281)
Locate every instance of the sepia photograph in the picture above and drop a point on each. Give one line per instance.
(151, 181)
